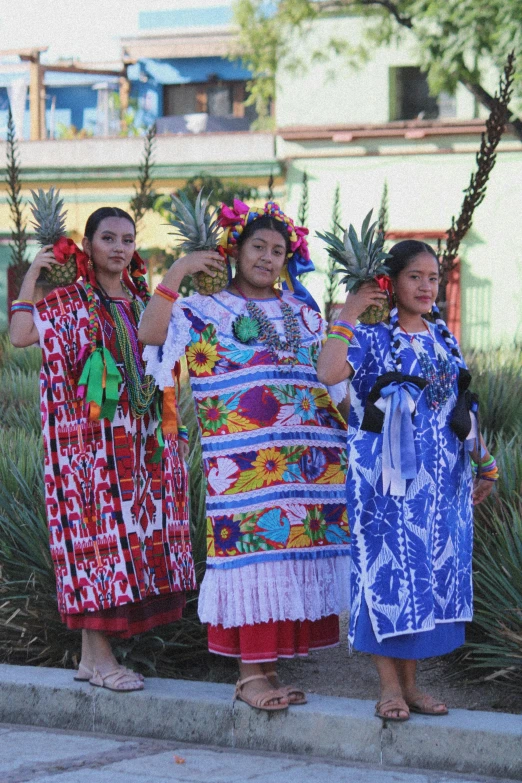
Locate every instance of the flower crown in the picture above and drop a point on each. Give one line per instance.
(234, 220)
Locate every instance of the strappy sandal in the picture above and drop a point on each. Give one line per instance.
(261, 700)
(395, 704)
(83, 674)
(288, 690)
(114, 680)
(426, 706)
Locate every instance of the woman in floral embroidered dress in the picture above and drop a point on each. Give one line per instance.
(273, 450)
(409, 487)
(118, 518)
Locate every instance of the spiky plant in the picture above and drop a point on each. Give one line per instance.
(359, 260)
(197, 226)
(49, 224)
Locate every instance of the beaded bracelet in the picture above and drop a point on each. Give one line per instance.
(339, 322)
(22, 307)
(341, 330)
(183, 433)
(22, 301)
(488, 469)
(166, 293)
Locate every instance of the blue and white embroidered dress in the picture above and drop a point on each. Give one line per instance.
(411, 554)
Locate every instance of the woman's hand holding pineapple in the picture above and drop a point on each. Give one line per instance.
(332, 366)
(207, 261)
(44, 259)
(155, 320)
(22, 329)
(368, 294)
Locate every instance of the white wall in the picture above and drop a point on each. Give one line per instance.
(333, 92)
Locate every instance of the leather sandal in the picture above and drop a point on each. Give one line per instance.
(396, 704)
(294, 694)
(115, 680)
(426, 706)
(83, 674)
(261, 700)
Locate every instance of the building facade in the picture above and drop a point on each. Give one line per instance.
(357, 128)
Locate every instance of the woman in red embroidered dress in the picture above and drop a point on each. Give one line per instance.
(116, 503)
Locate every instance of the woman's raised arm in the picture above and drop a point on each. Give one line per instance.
(155, 320)
(22, 330)
(332, 364)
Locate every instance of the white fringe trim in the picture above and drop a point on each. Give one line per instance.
(275, 590)
(178, 337)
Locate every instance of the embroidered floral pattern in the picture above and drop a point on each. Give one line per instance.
(273, 443)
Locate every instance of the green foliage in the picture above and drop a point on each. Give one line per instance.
(358, 259)
(302, 214)
(19, 234)
(494, 640)
(332, 283)
(497, 379)
(218, 191)
(144, 195)
(458, 40)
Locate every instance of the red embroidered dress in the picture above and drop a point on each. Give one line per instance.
(118, 523)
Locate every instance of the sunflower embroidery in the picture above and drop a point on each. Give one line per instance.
(270, 465)
(202, 357)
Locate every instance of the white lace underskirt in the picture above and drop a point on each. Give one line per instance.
(275, 590)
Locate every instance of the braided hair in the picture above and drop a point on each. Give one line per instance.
(402, 254)
(136, 280)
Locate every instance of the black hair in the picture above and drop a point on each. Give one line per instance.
(94, 220)
(402, 254)
(136, 282)
(265, 221)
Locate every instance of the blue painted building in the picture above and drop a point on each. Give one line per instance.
(179, 75)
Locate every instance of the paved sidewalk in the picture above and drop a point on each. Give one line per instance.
(29, 755)
(345, 730)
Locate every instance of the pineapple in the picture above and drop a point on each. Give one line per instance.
(360, 260)
(49, 223)
(197, 225)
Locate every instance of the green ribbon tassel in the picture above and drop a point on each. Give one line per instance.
(92, 378)
(156, 457)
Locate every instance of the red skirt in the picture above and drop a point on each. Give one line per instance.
(132, 618)
(264, 642)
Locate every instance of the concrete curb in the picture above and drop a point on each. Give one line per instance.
(485, 743)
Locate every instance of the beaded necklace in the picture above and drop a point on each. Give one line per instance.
(441, 379)
(141, 388)
(258, 326)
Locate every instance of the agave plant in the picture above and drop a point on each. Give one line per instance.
(197, 226)
(359, 260)
(497, 379)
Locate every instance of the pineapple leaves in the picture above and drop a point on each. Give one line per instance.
(49, 216)
(195, 223)
(358, 259)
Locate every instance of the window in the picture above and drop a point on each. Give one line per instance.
(411, 99)
(215, 98)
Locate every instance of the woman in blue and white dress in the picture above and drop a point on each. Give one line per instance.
(410, 490)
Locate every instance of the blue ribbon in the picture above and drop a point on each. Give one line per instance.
(298, 266)
(398, 445)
